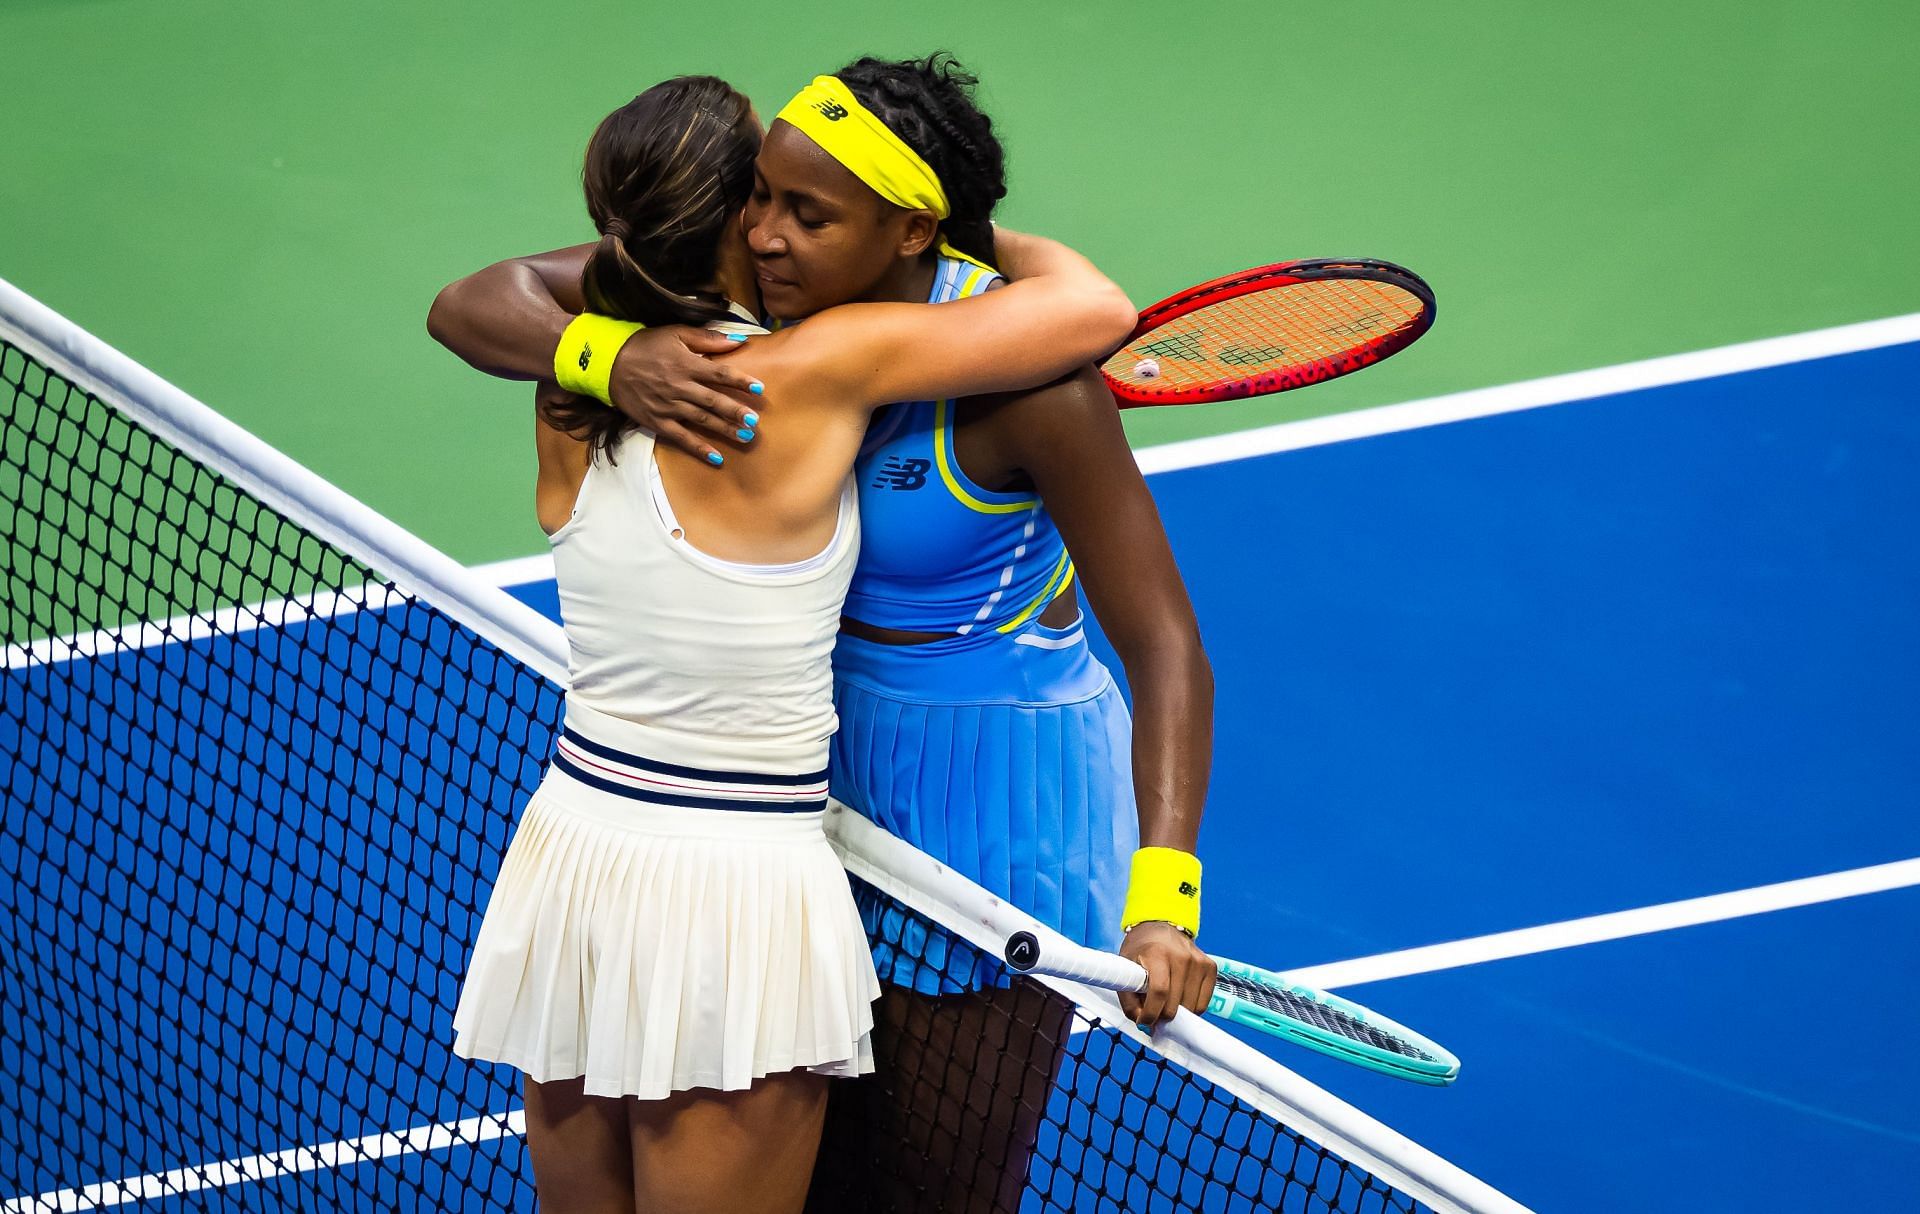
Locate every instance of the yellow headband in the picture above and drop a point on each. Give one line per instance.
(828, 113)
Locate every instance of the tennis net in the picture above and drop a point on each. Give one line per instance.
(260, 751)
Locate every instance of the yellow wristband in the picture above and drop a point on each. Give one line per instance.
(1165, 888)
(583, 361)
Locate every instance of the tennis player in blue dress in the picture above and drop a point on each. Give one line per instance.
(988, 738)
(974, 721)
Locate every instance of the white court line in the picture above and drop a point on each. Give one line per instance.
(1215, 449)
(198, 626)
(518, 571)
(1455, 407)
(1593, 929)
(344, 1153)
(1532, 394)
(1527, 941)
(283, 486)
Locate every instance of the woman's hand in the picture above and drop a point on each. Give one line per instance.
(507, 319)
(663, 380)
(1178, 974)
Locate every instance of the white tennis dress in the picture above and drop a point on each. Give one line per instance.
(669, 914)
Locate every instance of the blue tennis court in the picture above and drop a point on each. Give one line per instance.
(1473, 677)
(1568, 661)
(1573, 660)
(276, 907)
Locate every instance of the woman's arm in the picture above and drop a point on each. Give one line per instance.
(1022, 255)
(507, 319)
(1067, 437)
(1062, 314)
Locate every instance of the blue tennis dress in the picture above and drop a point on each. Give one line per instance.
(1004, 750)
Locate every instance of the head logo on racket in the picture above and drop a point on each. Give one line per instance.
(1023, 949)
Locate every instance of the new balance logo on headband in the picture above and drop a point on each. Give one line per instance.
(586, 356)
(900, 473)
(832, 111)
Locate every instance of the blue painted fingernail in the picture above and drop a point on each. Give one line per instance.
(753, 419)
(713, 457)
(757, 388)
(736, 337)
(746, 436)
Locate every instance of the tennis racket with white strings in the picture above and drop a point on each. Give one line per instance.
(1269, 330)
(1269, 1002)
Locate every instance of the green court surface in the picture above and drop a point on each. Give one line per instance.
(259, 201)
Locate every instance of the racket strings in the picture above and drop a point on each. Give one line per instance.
(1296, 325)
(1320, 1016)
(1343, 313)
(1305, 322)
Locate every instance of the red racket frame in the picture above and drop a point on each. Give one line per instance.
(1281, 274)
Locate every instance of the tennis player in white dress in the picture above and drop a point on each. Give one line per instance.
(671, 953)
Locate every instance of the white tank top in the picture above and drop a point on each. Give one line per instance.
(686, 658)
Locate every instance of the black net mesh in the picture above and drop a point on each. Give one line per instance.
(1012, 1098)
(254, 800)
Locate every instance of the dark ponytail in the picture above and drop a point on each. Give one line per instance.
(929, 104)
(664, 175)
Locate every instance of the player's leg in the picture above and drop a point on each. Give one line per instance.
(582, 1163)
(949, 1118)
(705, 1151)
(951, 1115)
(981, 1067)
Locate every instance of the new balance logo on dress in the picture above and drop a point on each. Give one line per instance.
(902, 473)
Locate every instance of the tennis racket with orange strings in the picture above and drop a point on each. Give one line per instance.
(1269, 330)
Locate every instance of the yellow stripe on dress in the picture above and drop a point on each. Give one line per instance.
(942, 441)
(1056, 586)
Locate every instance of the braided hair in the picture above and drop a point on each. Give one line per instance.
(929, 104)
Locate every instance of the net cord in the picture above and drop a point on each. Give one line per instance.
(904, 872)
(291, 488)
(889, 864)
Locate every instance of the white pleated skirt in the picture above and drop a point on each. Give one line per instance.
(655, 948)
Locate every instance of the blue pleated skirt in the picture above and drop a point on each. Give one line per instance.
(1008, 759)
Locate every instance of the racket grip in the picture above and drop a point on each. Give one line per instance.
(1091, 966)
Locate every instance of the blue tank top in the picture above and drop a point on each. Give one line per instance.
(940, 553)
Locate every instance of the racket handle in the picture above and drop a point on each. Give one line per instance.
(1109, 971)
(1076, 964)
